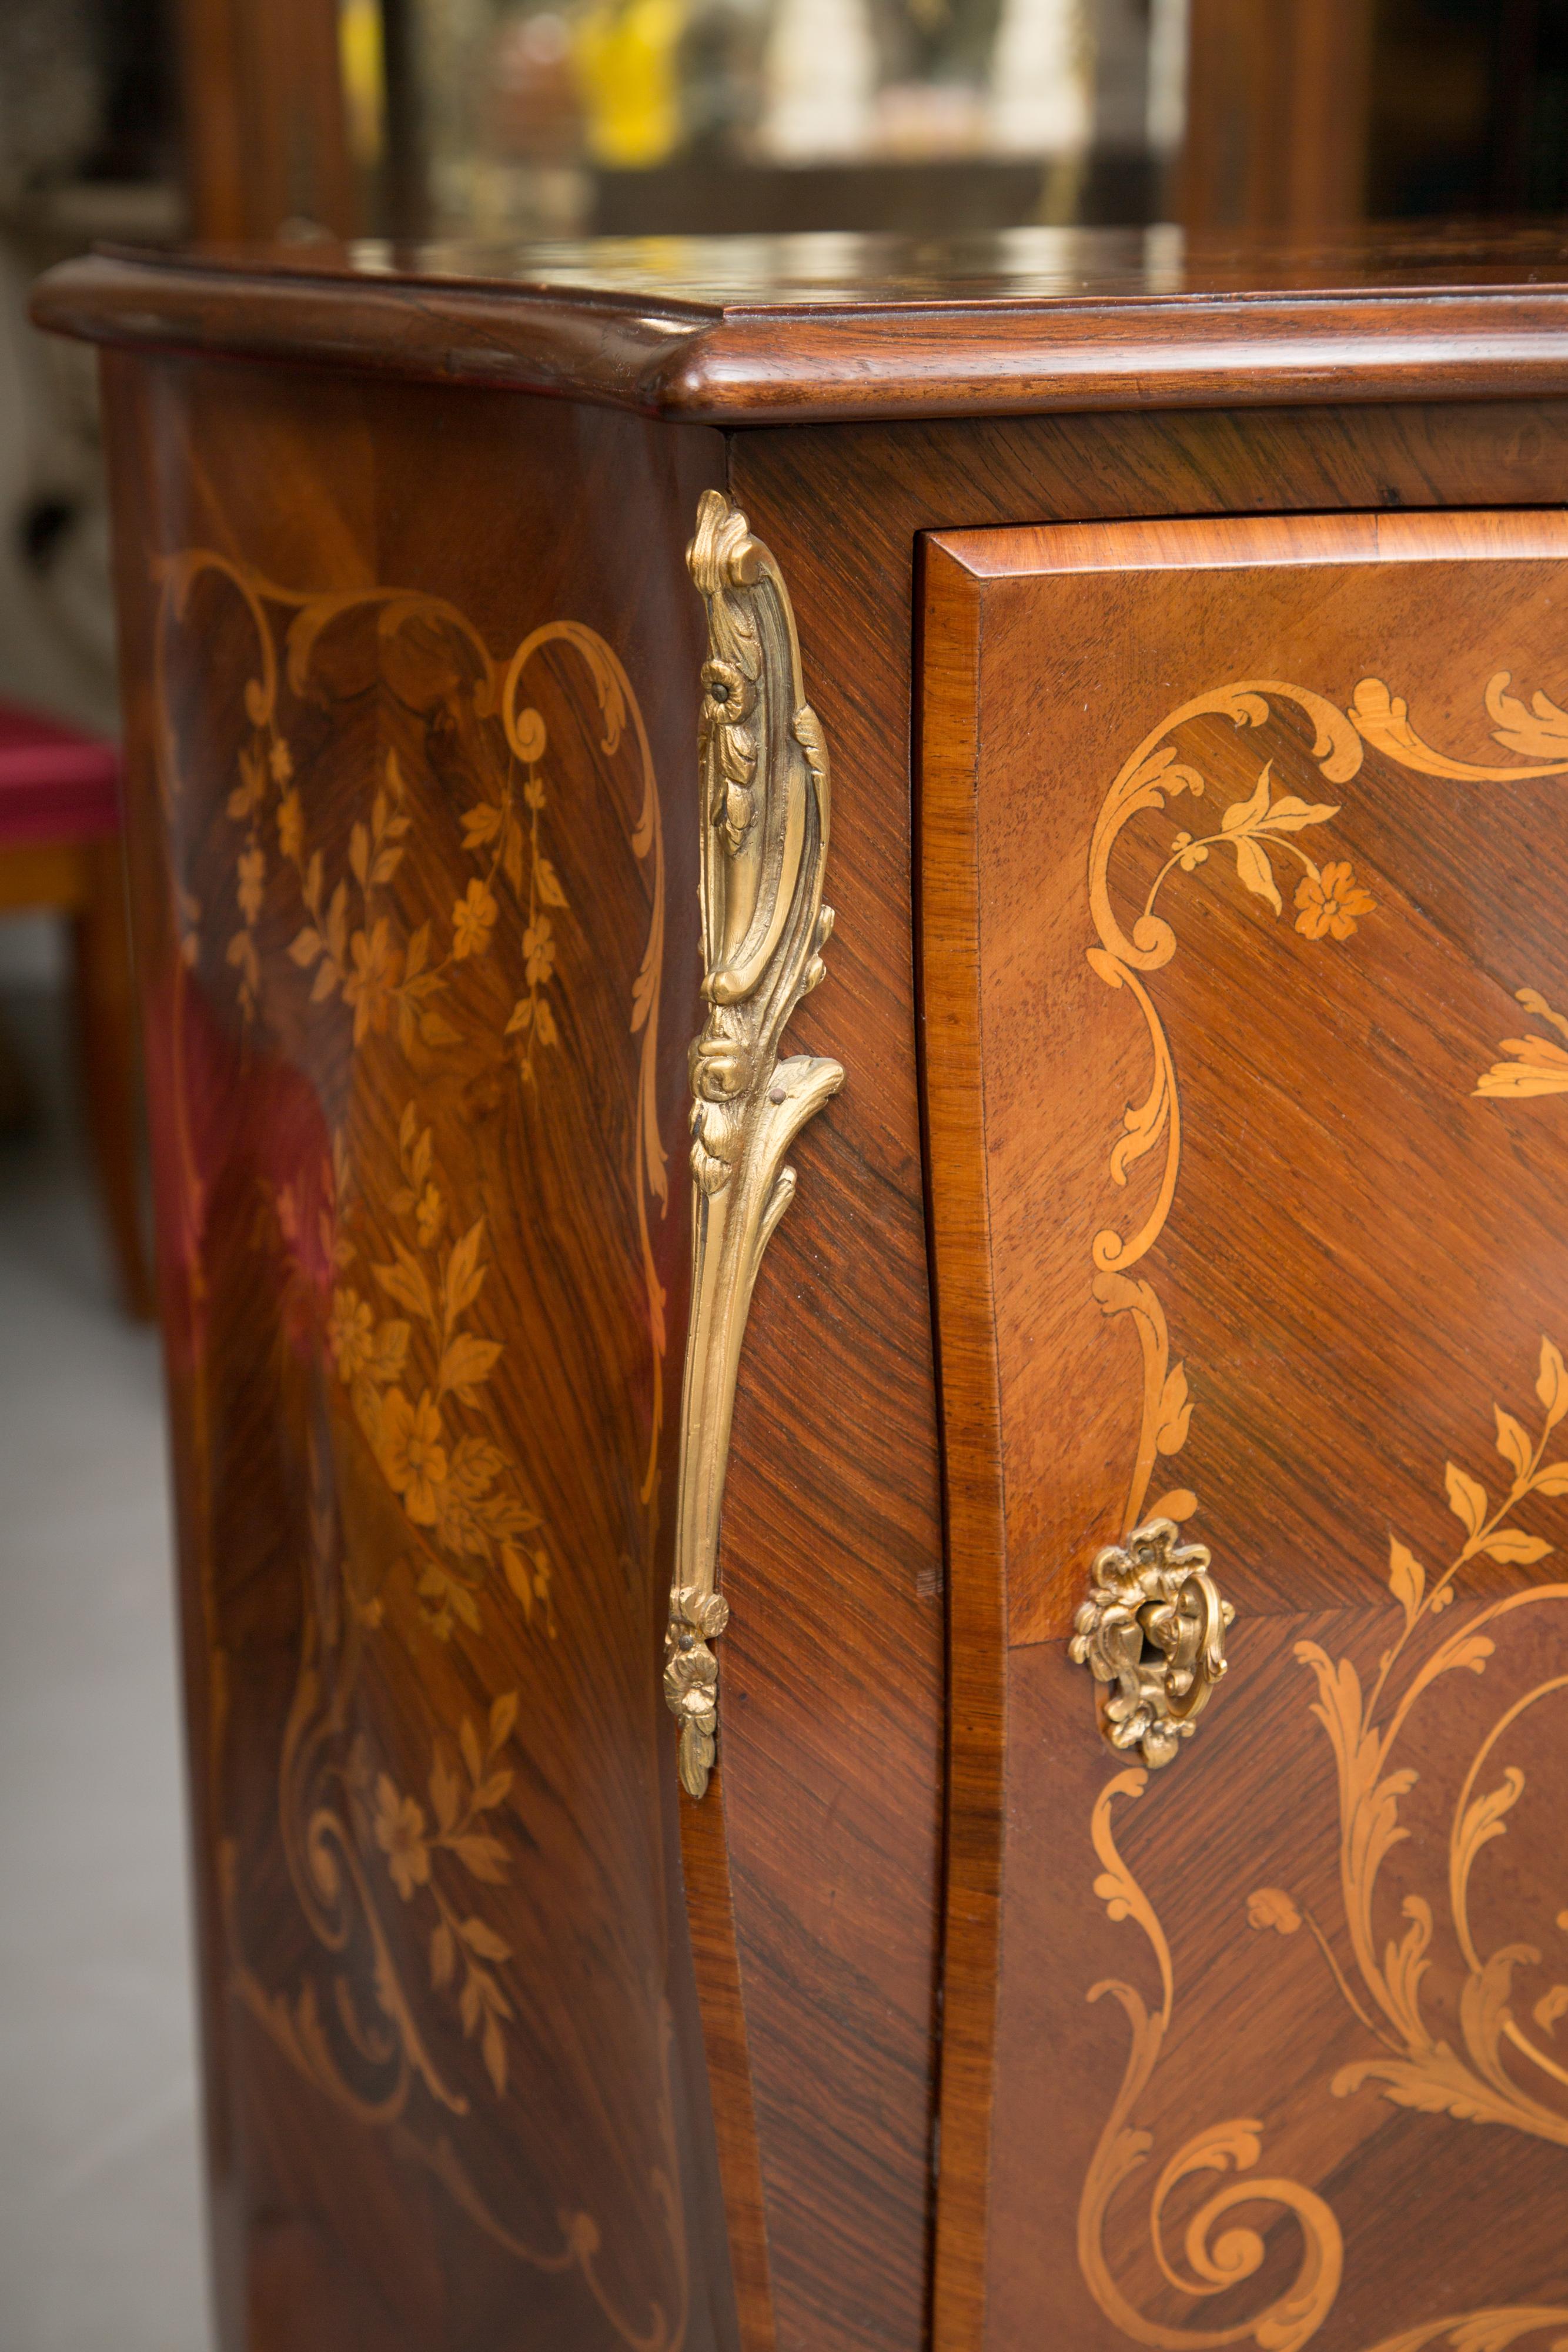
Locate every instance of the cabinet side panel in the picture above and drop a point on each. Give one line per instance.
(830, 1744)
(411, 680)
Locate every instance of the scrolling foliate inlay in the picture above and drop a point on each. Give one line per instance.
(364, 907)
(763, 769)
(1416, 2068)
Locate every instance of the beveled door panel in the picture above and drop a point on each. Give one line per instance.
(1246, 992)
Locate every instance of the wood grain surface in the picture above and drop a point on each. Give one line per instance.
(412, 1118)
(847, 2180)
(1223, 1038)
(756, 332)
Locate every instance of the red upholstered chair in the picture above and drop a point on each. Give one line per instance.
(60, 849)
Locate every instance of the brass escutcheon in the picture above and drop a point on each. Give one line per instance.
(1153, 1625)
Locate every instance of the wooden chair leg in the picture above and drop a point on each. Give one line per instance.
(111, 1064)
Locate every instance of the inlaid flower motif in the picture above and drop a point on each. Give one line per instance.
(290, 827)
(1330, 900)
(351, 1332)
(369, 987)
(473, 919)
(1270, 1907)
(412, 1455)
(399, 1833)
(539, 947)
(252, 875)
(279, 761)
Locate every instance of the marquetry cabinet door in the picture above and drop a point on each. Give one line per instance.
(1245, 976)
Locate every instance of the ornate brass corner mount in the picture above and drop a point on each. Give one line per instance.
(763, 773)
(1154, 1625)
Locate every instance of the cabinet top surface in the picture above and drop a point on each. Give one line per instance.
(743, 330)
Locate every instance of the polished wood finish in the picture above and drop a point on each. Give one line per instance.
(265, 136)
(1029, 321)
(1277, 111)
(428, 1751)
(1357, 1246)
(836, 1977)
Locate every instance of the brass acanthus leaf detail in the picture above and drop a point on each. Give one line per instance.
(764, 839)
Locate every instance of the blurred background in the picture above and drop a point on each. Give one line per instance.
(169, 120)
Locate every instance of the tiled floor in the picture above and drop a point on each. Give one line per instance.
(100, 2247)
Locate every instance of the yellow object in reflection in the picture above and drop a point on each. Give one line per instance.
(365, 78)
(626, 57)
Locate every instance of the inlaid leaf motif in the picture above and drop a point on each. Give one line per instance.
(466, 1362)
(1539, 1068)
(1467, 1498)
(1406, 1963)
(1514, 1547)
(1246, 822)
(1549, 2008)
(1257, 874)
(1511, 1442)
(1552, 1383)
(1483, 1818)
(464, 1274)
(1289, 815)
(1174, 1413)
(445, 1793)
(1407, 1578)
(1540, 733)
(480, 825)
(1467, 1654)
(484, 1940)
(494, 2051)
(406, 1282)
(1245, 816)
(1533, 1001)
(484, 1856)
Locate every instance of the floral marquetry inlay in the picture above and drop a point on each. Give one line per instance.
(1504, 2067)
(376, 913)
(1501, 2075)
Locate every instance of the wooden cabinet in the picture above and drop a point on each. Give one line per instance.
(1156, 668)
